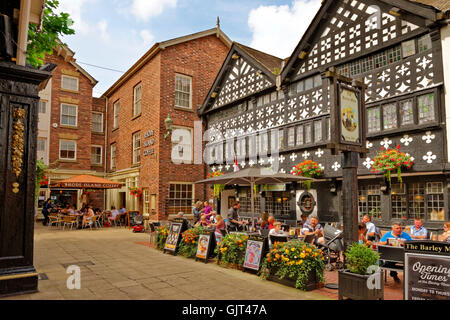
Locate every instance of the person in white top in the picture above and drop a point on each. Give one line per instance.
(114, 214)
(371, 229)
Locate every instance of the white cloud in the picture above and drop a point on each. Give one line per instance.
(74, 9)
(102, 27)
(278, 29)
(145, 9)
(146, 36)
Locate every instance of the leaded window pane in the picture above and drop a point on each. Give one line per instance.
(394, 54)
(299, 135)
(380, 59)
(308, 133)
(416, 199)
(300, 86)
(390, 116)
(281, 138)
(291, 136)
(309, 83)
(317, 131)
(426, 108)
(424, 43)
(367, 64)
(373, 119)
(406, 112)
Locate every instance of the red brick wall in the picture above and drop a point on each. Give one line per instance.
(81, 133)
(200, 59)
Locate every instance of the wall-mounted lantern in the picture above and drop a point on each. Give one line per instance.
(168, 122)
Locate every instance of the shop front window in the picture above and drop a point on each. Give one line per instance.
(416, 195)
(399, 202)
(369, 201)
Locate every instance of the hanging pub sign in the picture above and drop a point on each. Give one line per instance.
(206, 242)
(348, 123)
(173, 238)
(427, 270)
(256, 244)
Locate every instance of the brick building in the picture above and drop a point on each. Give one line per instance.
(71, 135)
(172, 78)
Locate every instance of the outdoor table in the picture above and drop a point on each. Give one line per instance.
(393, 255)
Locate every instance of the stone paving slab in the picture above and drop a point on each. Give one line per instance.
(122, 269)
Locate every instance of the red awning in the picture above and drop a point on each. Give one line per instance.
(86, 181)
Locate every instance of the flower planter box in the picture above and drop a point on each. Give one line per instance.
(354, 286)
(311, 284)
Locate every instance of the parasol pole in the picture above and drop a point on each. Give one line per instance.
(252, 190)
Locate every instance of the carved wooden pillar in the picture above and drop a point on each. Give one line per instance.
(19, 88)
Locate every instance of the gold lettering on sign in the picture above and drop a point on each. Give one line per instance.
(17, 144)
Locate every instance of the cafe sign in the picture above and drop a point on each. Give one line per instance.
(349, 116)
(427, 270)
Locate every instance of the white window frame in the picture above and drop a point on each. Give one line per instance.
(101, 154)
(92, 122)
(42, 102)
(136, 151)
(136, 101)
(116, 110)
(113, 167)
(59, 152)
(190, 91)
(45, 144)
(61, 115)
(146, 207)
(66, 76)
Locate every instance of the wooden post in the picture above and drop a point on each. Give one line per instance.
(350, 196)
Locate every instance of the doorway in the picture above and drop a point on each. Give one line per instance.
(228, 197)
(123, 199)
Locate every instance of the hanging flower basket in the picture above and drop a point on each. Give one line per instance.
(309, 169)
(218, 188)
(390, 160)
(137, 192)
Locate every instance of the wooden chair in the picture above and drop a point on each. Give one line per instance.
(69, 220)
(94, 223)
(54, 220)
(118, 220)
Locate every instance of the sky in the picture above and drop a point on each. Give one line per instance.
(114, 34)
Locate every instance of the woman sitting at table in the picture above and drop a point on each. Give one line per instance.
(71, 210)
(362, 234)
(446, 235)
(87, 218)
(203, 222)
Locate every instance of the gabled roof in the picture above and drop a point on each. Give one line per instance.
(68, 55)
(267, 64)
(157, 47)
(428, 9)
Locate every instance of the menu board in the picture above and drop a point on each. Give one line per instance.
(254, 252)
(427, 270)
(173, 237)
(204, 245)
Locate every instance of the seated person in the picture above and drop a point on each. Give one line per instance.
(271, 220)
(276, 231)
(234, 221)
(203, 222)
(219, 228)
(264, 221)
(213, 217)
(114, 214)
(304, 218)
(314, 227)
(362, 232)
(371, 229)
(87, 218)
(71, 210)
(397, 234)
(446, 235)
(185, 225)
(418, 232)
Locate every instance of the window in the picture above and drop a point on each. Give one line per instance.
(424, 43)
(240, 148)
(67, 149)
(317, 80)
(355, 68)
(137, 98)
(369, 201)
(116, 108)
(274, 96)
(307, 137)
(394, 54)
(367, 64)
(300, 86)
(264, 140)
(97, 122)
(390, 116)
(317, 131)
(373, 119)
(281, 138)
(153, 202)
(96, 154)
(406, 112)
(136, 148)
(41, 144)
(309, 83)
(69, 83)
(416, 200)
(42, 106)
(69, 115)
(291, 137)
(328, 129)
(425, 104)
(181, 198)
(266, 99)
(146, 202)
(435, 201)
(259, 102)
(380, 59)
(299, 135)
(183, 91)
(399, 202)
(113, 156)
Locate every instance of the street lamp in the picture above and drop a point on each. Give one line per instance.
(168, 122)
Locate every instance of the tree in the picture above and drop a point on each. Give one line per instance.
(43, 41)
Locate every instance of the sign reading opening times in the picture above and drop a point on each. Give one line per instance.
(427, 270)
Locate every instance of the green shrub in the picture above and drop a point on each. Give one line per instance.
(360, 257)
(161, 236)
(232, 249)
(189, 242)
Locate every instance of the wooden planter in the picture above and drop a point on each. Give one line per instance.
(354, 286)
(311, 284)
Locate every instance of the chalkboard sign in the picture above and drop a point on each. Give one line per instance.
(206, 241)
(173, 237)
(427, 270)
(254, 253)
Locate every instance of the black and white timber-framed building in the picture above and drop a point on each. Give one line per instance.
(402, 51)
